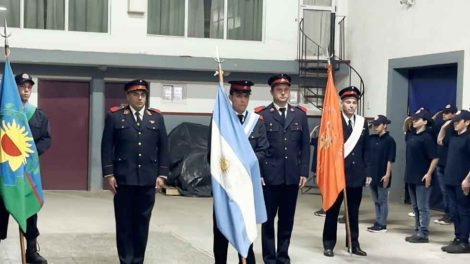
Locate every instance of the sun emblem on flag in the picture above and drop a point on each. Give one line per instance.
(223, 165)
(16, 144)
(326, 139)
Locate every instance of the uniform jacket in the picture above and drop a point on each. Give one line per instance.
(356, 164)
(257, 138)
(289, 150)
(39, 126)
(134, 155)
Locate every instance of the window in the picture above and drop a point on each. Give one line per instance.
(318, 2)
(206, 18)
(173, 93)
(47, 14)
(245, 19)
(166, 17)
(82, 15)
(88, 15)
(218, 19)
(12, 14)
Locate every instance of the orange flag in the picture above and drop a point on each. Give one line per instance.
(330, 160)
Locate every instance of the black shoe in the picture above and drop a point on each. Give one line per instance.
(32, 253)
(418, 239)
(377, 229)
(320, 212)
(462, 248)
(342, 219)
(445, 220)
(358, 251)
(407, 239)
(454, 242)
(328, 252)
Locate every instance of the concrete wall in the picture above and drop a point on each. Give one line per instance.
(378, 31)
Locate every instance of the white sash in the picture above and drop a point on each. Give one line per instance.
(355, 135)
(250, 122)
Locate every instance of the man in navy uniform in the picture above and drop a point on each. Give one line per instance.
(135, 158)
(285, 167)
(39, 125)
(356, 133)
(253, 124)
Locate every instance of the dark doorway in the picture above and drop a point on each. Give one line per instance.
(65, 165)
(432, 87)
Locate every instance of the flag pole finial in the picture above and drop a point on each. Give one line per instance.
(219, 72)
(6, 35)
(328, 57)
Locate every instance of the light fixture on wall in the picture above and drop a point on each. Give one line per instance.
(407, 3)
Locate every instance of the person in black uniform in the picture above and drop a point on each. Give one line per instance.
(442, 146)
(285, 167)
(135, 160)
(39, 125)
(421, 160)
(382, 150)
(457, 172)
(355, 130)
(239, 96)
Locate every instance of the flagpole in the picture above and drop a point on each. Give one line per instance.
(220, 73)
(6, 35)
(23, 252)
(345, 194)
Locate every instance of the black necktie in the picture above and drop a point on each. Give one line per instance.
(137, 118)
(283, 114)
(350, 125)
(241, 118)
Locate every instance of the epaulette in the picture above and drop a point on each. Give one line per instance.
(155, 110)
(303, 109)
(260, 108)
(117, 108)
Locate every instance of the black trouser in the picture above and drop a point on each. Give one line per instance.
(220, 247)
(280, 200)
(354, 196)
(32, 231)
(132, 210)
(459, 208)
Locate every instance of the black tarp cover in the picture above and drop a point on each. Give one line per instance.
(189, 169)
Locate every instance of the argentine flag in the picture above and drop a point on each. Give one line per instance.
(236, 180)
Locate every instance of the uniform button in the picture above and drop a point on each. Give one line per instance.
(285, 148)
(352, 154)
(285, 139)
(122, 127)
(285, 157)
(140, 154)
(140, 133)
(140, 143)
(353, 162)
(139, 165)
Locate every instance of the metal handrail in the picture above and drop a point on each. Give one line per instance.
(304, 39)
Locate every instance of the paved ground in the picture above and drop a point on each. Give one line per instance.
(78, 227)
